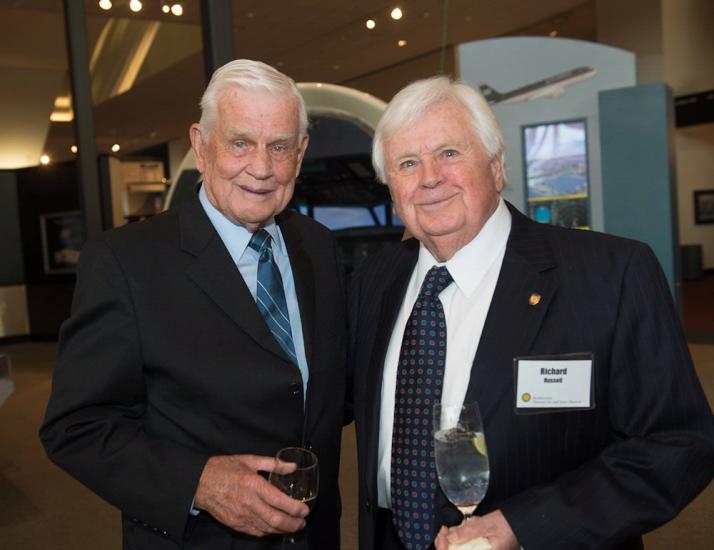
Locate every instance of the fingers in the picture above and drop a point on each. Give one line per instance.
(231, 490)
(283, 468)
(489, 531)
(442, 542)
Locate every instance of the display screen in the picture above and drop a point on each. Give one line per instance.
(556, 168)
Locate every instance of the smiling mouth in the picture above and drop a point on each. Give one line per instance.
(435, 204)
(258, 192)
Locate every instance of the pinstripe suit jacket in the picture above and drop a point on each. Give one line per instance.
(583, 479)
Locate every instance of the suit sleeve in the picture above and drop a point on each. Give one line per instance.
(93, 426)
(663, 450)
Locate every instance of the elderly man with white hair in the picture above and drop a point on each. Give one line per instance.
(596, 426)
(207, 338)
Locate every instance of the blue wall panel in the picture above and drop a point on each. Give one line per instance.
(639, 199)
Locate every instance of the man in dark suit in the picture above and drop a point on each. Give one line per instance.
(205, 339)
(596, 426)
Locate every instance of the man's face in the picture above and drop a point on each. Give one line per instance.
(443, 185)
(251, 156)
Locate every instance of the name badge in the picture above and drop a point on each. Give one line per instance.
(554, 382)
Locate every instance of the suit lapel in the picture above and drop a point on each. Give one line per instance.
(391, 300)
(215, 273)
(524, 291)
(304, 277)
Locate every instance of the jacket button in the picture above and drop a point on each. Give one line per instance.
(295, 389)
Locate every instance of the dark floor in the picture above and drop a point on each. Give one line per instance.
(698, 308)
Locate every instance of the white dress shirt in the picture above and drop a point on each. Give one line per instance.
(475, 269)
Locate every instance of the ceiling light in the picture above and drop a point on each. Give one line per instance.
(45, 160)
(135, 5)
(105, 4)
(74, 149)
(370, 24)
(553, 34)
(116, 147)
(402, 43)
(177, 9)
(396, 14)
(165, 8)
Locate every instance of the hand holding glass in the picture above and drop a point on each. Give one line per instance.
(297, 475)
(461, 456)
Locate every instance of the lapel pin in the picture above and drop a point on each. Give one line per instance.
(534, 300)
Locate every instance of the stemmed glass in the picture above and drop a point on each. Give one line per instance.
(297, 475)
(461, 455)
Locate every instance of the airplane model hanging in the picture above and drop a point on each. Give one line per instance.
(553, 86)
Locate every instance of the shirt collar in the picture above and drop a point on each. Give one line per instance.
(234, 236)
(471, 263)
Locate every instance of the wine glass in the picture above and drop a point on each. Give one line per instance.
(297, 475)
(461, 456)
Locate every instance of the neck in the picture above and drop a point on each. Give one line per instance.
(444, 247)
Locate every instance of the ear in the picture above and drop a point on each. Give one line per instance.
(301, 153)
(496, 166)
(198, 145)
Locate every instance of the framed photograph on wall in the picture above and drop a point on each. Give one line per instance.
(704, 206)
(62, 238)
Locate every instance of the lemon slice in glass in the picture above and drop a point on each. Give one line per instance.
(479, 443)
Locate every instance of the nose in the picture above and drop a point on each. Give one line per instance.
(261, 165)
(430, 175)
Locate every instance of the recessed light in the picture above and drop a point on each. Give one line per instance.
(402, 43)
(165, 8)
(45, 160)
(177, 9)
(370, 24)
(135, 5)
(105, 4)
(74, 149)
(396, 13)
(116, 147)
(553, 33)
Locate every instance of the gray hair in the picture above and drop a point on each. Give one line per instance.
(411, 102)
(253, 76)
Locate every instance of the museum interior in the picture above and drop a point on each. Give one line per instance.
(607, 109)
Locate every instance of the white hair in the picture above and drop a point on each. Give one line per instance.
(252, 76)
(412, 102)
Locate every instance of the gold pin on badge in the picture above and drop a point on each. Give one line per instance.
(534, 300)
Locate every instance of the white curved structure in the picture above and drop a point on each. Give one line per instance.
(336, 101)
(332, 100)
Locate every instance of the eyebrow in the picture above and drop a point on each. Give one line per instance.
(441, 145)
(234, 135)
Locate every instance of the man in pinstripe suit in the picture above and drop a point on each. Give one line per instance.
(630, 440)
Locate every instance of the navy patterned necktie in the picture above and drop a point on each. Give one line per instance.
(420, 374)
(270, 295)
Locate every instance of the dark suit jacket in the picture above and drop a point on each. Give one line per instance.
(587, 479)
(166, 361)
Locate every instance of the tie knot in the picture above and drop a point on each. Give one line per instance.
(260, 241)
(436, 280)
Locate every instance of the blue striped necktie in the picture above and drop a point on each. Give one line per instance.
(420, 374)
(270, 295)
